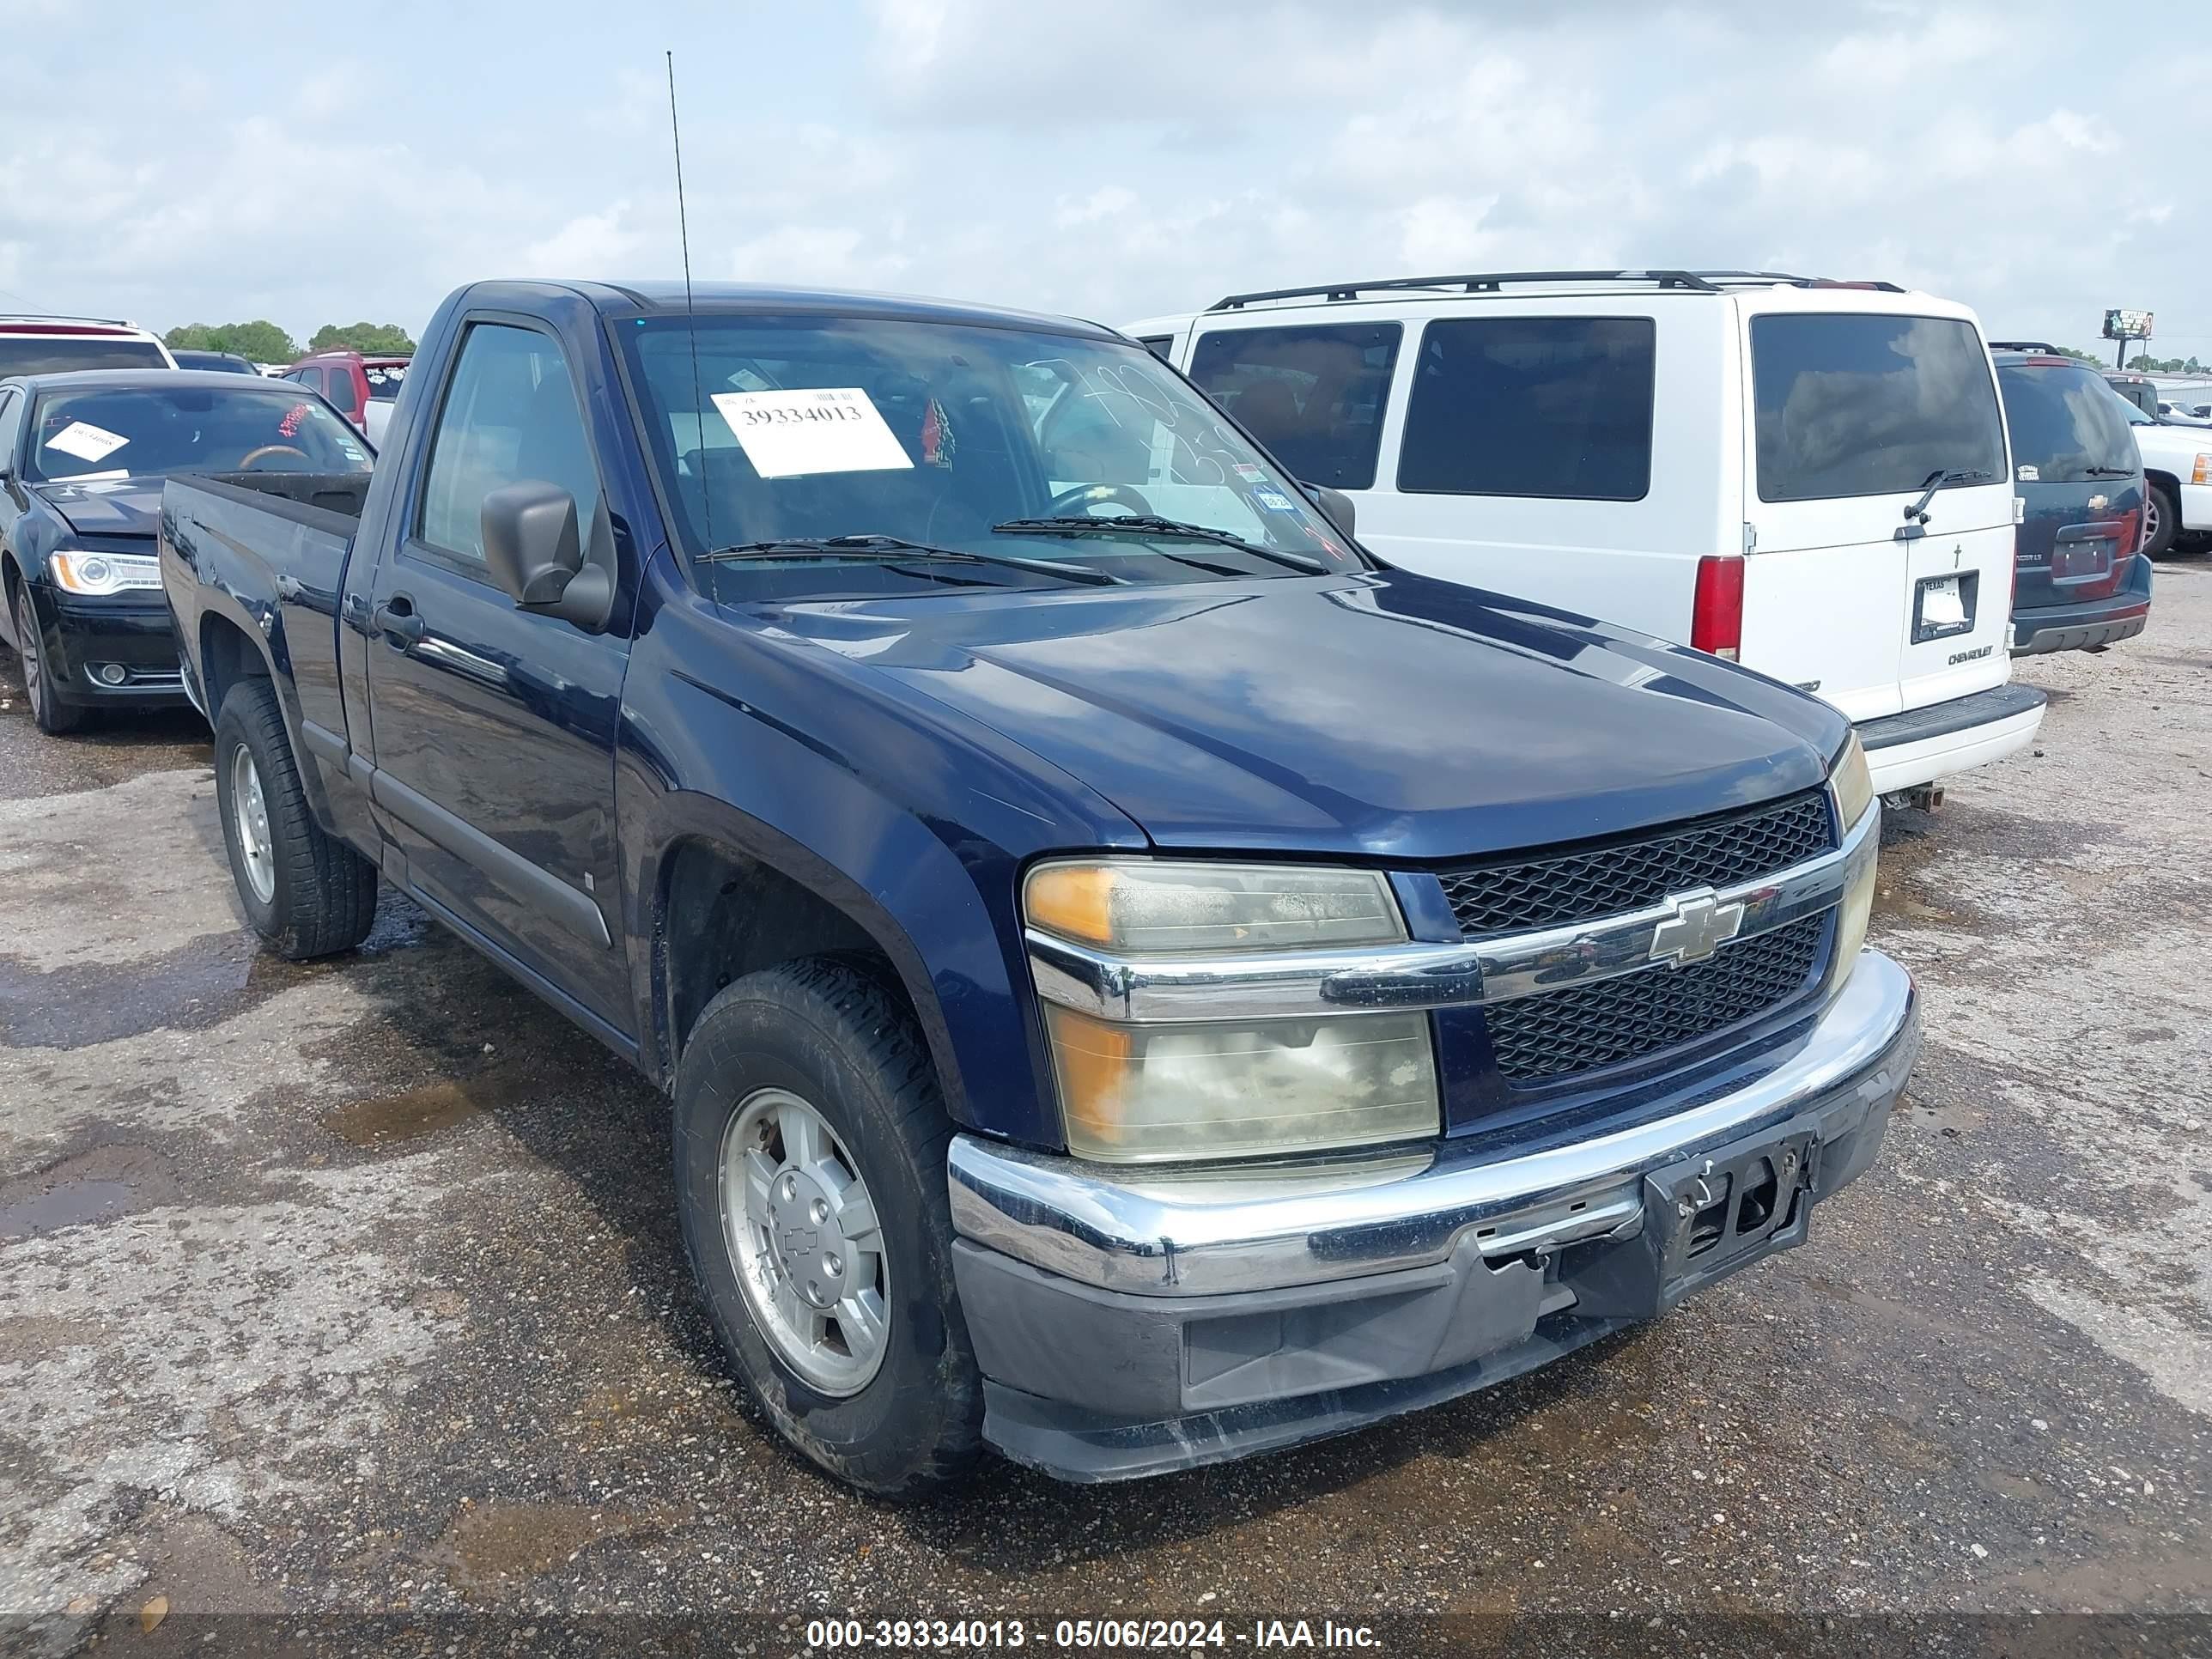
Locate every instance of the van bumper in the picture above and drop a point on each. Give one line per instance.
(1129, 1322)
(1923, 744)
(2120, 615)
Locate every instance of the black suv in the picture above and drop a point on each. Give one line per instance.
(2080, 580)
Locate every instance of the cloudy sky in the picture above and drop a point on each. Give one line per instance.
(183, 161)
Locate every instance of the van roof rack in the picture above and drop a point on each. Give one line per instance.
(1789, 280)
(1470, 283)
(1490, 281)
(2026, 345)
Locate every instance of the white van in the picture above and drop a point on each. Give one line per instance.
(1810, 478)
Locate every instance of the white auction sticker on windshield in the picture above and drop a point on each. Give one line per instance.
(86, 441)
(791, 435)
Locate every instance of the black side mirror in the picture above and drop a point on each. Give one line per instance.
(532, 543)
(1335, 506)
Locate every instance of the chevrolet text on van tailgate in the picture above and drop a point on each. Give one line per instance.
(1138, 982)
(1806, 477)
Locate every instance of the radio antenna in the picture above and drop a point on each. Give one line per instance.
(690, 323)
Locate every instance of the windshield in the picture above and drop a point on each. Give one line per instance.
(803, 429)
(2064, 424)
(60, 353)
(141, 432)
(384, 380)
(1869, 404)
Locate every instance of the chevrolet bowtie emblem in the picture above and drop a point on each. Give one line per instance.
(1701, 924)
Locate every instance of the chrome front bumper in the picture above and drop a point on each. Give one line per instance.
(1150, 1233)
(1131, 1322)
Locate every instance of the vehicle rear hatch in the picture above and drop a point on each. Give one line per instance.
(2077, 472)
(1851, 414)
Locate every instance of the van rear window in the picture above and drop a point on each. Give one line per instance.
(2066, 423)
(1868, 404)
(1313, 396)
(1551, 406)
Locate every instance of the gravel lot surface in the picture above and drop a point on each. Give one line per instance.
(356, 1287)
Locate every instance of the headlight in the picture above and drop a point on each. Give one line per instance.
(1854, 788)
(1144, 909)
(1854, 784)
(101, 573)
(1147, 1092)
(1141, 1093)
(2202, 471)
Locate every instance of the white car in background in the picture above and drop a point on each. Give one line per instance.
(2176, 459)
(54, 346)
(1810, 478)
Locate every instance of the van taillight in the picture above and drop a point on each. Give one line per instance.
(1717, 611)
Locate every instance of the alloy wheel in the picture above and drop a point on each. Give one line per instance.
(805, 1242)
(249, 810)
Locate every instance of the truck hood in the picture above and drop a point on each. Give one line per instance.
(1385, 715)
(107, 507)
(2174, 448)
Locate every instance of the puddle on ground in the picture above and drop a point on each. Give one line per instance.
(384, 1119)
(196, 985)
(496, 1547)
(85, 1190)
(68, 1204)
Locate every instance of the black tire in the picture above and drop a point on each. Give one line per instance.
(827, 1032)
(324, 893)
(2167, 512)
(54, 717)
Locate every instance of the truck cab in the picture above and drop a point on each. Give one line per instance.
(1137, 982)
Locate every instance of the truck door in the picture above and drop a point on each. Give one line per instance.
(494, 729)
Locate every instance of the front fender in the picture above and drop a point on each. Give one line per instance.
(916, 831)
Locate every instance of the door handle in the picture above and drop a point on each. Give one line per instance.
(395, 620)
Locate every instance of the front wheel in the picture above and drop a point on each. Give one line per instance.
(54, 716)
(305, 892)
(810, 1146)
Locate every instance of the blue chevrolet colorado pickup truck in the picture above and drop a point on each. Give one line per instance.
(1138, 980)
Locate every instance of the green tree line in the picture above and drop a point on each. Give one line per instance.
(262, 342)
(2149, 365)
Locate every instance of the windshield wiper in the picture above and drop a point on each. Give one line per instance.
(897, 549)
(1938, 481)
(2110, 472)
(1142, 524)
(1935, 481)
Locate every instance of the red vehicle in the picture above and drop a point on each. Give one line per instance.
(362, 389)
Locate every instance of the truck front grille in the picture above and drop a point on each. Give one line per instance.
(1524, 894)
(1542, 1038)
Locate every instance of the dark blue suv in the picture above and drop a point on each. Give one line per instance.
(2080, 579)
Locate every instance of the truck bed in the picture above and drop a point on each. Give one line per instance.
(263, 553)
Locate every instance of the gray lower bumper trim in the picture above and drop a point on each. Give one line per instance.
(1203, 1233)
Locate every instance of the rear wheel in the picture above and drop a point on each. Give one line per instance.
(2161, 521)
(54, 716)
(305, 892)
(809, 1150)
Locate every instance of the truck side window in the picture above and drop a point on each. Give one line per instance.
(1558, 407)
(509, 414)
(1313, 396)
(341, 391)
